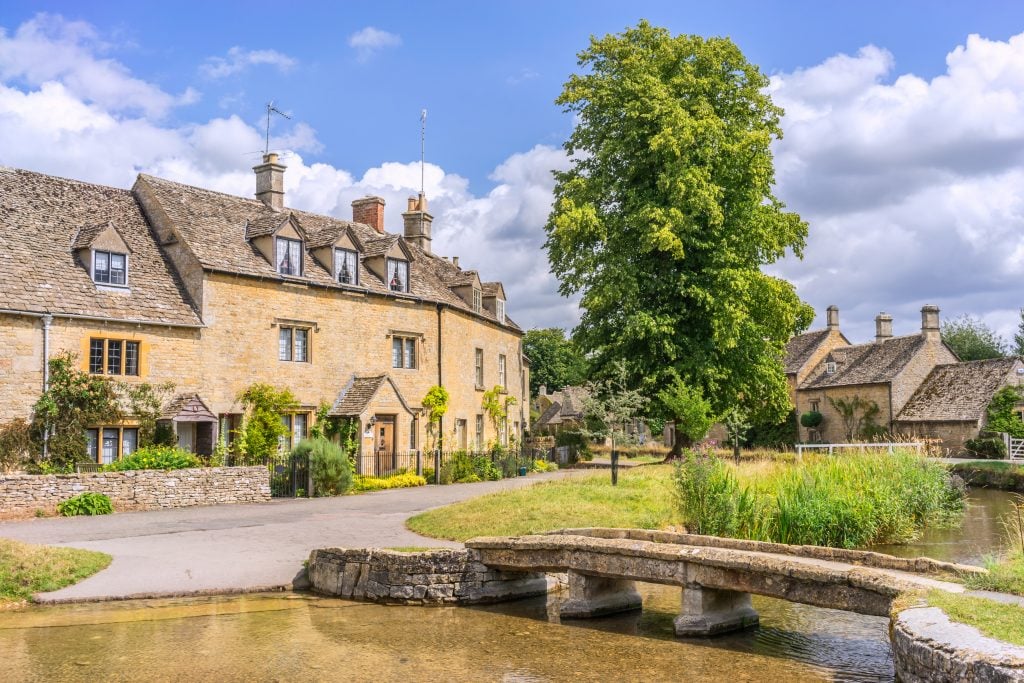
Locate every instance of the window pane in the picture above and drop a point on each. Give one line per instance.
(299, 427)
(295, 256)
(285, 442)
(109, 453)
(479, 431)
(403, 274)
(499, 308)
(96, 356)
(410, 353)
(501, 371)
(301, 345)
(101, 267)
(345, 266)
(412, 435)
(479, 367)
(284, 344)
(289, 256)
(91, 443)
(114, 356)
(131, 358)
(129, 441)
(118, 269)
(396, 352)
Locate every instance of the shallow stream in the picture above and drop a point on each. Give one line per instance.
(285, 637)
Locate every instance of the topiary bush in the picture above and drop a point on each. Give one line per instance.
(329, 465)
(811, 419)
(87, 503)
(155, 458)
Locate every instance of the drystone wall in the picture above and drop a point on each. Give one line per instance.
(137, 490)
(437, 577)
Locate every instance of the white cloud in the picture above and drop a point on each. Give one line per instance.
(238, 60)
(368, 41)
(521, 77)
(912, 187)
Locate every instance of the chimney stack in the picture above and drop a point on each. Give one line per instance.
(455, 261)
(417, 222)
(832, 317)
(270, 182)
(883, 327)
(930, 322)
(369, 211)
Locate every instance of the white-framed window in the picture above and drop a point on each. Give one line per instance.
(403, 352)
(297, 425)
(114, 357)
(478, 364)
(288, 256)
(346, 266)
(815, 405)
(479, 431)
(293, 344)
(477, 300)
(501, 370)
(110, 268)
(830, 368)
(499, 310)
(398, 275)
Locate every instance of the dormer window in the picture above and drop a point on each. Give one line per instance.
(830, 368)
(499, 310)
(477, 300)
(346, 266)
(109, 268)
(288, 256)
(398, 275)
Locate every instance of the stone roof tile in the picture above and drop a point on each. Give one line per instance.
(800, 348)
(871, 363)
(958, 392)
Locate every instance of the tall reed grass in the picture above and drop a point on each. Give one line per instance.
(846, 501)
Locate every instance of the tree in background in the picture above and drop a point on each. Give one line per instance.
(555, 361)
(691, 412)
(971, 339)
(611, 407)
(1001, 415)
(667, 216)
(1018, 338)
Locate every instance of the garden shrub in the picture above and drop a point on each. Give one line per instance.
(990, 447)
(367, 483)
(328, 464)
(155, 458)
(463, 468)
(87, 503)
(15, 444)
(811, 419)
(543, 466)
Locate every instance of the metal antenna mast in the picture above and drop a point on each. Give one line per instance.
(423, 139)
(271, 109)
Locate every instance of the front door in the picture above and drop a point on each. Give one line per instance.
(186, 435)
(384, 446)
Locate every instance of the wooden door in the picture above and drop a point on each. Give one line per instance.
(384, 446)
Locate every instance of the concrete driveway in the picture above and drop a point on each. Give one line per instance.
(231, 548)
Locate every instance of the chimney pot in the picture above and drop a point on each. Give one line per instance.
(270, 182)
(930, 322)
(370, 211)
(883, 327)
(832, 317)
(417, 222)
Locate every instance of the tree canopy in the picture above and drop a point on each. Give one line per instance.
(1018, 337)
(971, 339)
(555, 361)
(667, 214)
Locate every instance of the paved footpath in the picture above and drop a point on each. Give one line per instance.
(230, 548)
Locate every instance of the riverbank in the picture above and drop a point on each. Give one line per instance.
(26, 569)
(996, 474)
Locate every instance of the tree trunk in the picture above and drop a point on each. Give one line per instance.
(736, 449)
(680, 441)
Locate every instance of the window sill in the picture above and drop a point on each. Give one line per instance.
(116, 289)
(479, 387)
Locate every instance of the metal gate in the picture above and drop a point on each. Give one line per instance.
(289, 477)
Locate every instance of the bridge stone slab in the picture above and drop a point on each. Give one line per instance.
(709, 612)
(594, 596)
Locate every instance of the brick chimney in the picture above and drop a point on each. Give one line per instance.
(369, 211)
(930, 322)
(832, 317)
(883, 327)
(417, 222)
(270, 182)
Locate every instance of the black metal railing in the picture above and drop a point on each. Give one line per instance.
(386, 464)
(289, 473)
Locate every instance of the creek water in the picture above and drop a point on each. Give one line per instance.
(282, 637)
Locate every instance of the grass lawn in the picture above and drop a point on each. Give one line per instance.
(642, 499)
(994, 619)
(1004, 576)
(26, 569)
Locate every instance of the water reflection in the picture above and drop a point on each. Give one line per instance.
(286, 637)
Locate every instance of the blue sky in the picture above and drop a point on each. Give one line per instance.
(177, 89)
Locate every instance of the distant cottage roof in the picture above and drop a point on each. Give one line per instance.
(566, 404)
(870, 363)
(800, 348)
(45, 219)
(958, 392)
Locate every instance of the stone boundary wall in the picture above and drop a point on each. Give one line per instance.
(137, 489)
(929, 648)
(435, 577)
(865, 558)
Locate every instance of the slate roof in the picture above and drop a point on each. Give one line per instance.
(870, 363)
(566, 404)
(41, 215)
(266, 224)
(800, 348)
(958, 392)
(213, 225)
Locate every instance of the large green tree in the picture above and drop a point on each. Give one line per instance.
(971, 339)
(555, 361)
(667, 215)
(1018, 337)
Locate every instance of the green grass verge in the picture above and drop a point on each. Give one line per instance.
(26, 569)
(1004, 576)
(994, 619)
(996, 474)
(642, 499)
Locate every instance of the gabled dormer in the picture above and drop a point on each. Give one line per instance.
(104, 253)
(280, 238)
(390, 259)
(466, 284)
(494, 299)
(338, 250)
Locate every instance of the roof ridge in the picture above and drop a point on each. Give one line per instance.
(63, 179)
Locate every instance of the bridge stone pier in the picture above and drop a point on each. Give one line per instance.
(717, 576)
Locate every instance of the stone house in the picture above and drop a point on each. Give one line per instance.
(172, 283)
(559, 410)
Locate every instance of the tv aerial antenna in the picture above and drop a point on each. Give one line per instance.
(423, 140)
(271, 109)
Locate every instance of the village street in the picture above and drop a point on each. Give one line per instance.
(227, 548)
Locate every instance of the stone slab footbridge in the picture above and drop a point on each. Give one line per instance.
(717, 576)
